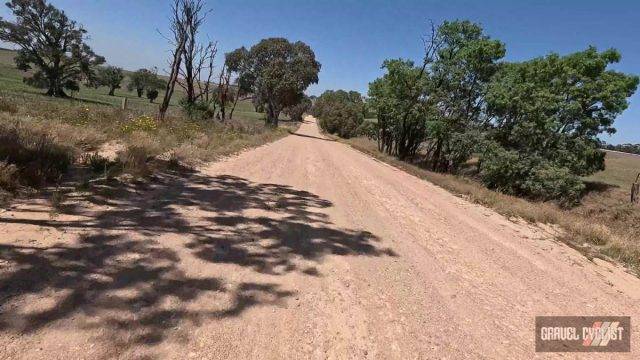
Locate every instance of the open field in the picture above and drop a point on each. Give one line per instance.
(621, 170)
(11, 81)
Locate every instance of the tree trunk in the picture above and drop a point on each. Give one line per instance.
(55, 88)
(436, 155)
(235, 102)
(112, 91)
(56, 92)
(223, 112)
(173, 76)
(139, 91)
(272, 115)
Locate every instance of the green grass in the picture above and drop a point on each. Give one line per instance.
(11, 82)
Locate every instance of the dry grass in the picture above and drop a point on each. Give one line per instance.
(36, 155)
(605, 225)
(8, 176)
(40, 137)
(621, 170)
(8, 106)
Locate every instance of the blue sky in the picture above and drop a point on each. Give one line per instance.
(352, 38)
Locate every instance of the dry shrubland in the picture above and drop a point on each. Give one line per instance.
(44, 140)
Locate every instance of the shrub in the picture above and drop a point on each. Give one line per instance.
(548, 113)
(199, 110)
(339, 112)
(8, 176)
(140, 150)
(152, 94)
(513, 173)
(36, 155)
(95, 162)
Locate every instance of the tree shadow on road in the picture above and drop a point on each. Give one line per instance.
(127, 258)
(311, 136)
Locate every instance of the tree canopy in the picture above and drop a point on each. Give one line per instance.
(296, 111)
(277, 72)
(51, 44)
(339, 112)
(534, 125)
(547, 114)
(110, 77)
(144, 79)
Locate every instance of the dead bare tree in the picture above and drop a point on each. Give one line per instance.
(196, 56)
(177, 40)
(205, 61)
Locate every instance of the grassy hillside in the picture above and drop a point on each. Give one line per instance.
(87, 139)
(11, 81)
(621, 170)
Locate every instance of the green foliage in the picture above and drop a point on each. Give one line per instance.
(296, 111)
(401, 116)
(435, 105)
(519, 174)
(535, 124)
(238, 62)
(110, 77)
(549, 112)
(465, 61)
(339, 112)
(277, 72)
(199, 110)
(144, 79)
(368, 129)
(152, 94)
(50, 42)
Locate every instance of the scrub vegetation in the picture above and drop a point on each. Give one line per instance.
(61, 113)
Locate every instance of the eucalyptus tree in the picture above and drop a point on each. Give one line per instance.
(50, 45)
(278, 72)
(547, 115)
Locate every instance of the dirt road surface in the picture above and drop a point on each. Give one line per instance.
(303, 248)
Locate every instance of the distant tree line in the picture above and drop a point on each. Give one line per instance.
(533, 125)
(627, 148)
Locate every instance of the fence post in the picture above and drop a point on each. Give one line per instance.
(124, 103)
(635, 190)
